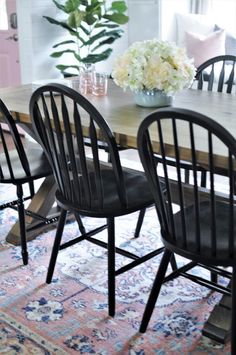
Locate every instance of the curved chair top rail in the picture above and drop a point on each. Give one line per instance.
(218, 73)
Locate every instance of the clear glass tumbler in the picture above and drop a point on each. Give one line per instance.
(86, 79)
(75, 83)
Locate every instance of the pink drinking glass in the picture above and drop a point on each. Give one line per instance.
(99, 87)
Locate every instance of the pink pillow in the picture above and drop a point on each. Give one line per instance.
(202, 48)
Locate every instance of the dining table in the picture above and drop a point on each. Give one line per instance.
(124, 117)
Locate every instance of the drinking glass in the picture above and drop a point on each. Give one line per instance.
(99, 87)
(75, 83)
(86, 79)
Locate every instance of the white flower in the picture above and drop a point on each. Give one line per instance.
(154, 65)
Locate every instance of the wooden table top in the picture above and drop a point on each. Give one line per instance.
(124, 117)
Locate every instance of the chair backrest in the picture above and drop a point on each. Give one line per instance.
(181, 133)
(63, 121)
(217, 74)
(11, 145)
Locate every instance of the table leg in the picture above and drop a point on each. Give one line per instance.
(41, 204)
(218, 325)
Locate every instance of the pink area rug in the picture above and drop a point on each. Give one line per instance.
(69, 316)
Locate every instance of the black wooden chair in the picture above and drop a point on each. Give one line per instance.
(217, 74)
(203, 228)
(86, 186)
(19, 166)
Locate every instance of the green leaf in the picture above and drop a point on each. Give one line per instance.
(75, 18)
(89, 18)
(71, 5)
(99, 3)
(59, 54)
(116, 33)
(108, 25)
(77, 57)
(121, 19)
(63, 68)
(62, 43)
(59, 6)
(76, 34)
(95, 9)
(119, 6)
(87, 32)
(95, 37)
(109, 40)
(94, 58)
(60, 23)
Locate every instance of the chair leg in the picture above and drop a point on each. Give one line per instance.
(139, 222)
(56, 245)
(155, 290)
(233, 312)
(214, 277)
(173, 262)
(111, 266)
(21, 214)
(31, 188)
(80, 223)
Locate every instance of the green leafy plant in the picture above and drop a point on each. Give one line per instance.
(93, 25)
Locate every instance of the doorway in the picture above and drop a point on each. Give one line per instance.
(9, 45)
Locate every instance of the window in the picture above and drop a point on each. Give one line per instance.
(224, 14)
(3, 15)
(168, 10)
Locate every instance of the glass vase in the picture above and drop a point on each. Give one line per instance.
(86, 79)
(152, 98)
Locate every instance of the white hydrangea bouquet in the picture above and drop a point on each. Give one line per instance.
(154, 65)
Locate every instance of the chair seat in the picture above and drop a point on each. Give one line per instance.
(38, 163)
(222, 231)
(137, 189)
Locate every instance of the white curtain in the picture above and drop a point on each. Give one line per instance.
(199, 6)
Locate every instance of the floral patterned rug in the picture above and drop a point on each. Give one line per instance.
(69, 316)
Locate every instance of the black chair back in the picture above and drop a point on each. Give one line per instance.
(217, 74)
(64, 121)
(21, 164)
(11, 142)
(202, 227)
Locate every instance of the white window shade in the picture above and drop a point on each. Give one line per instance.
(168, 19)
(224, 14)
(144, 20)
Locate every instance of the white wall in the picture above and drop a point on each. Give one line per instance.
(144, 20)
(168, 24)
(36, 38)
